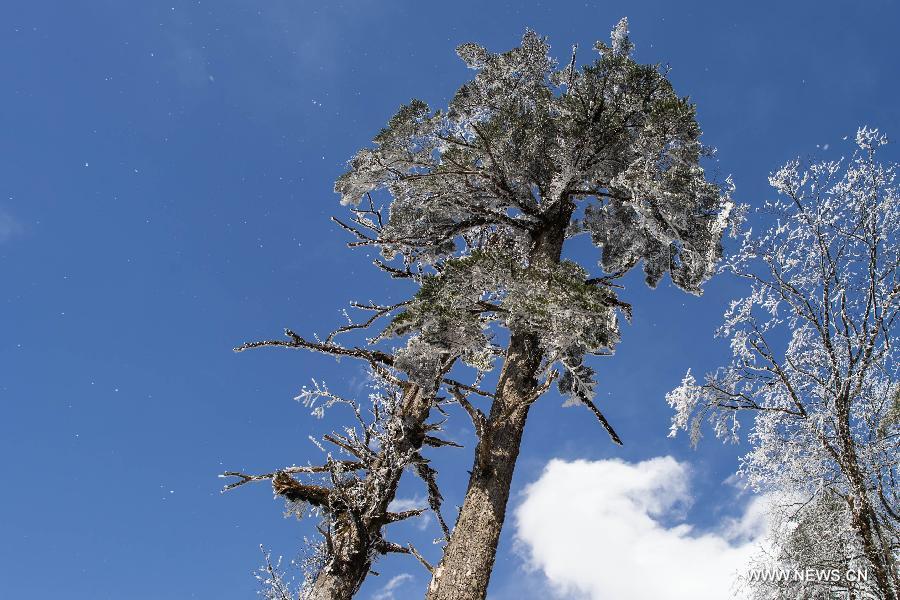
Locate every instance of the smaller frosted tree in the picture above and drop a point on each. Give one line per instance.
(814, 349)
(809, 533)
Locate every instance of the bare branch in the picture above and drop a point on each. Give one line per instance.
(478, 417)
(609, 429)
(429, 476)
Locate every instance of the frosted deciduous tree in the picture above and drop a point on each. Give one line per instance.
(482, 198)
(814, 347)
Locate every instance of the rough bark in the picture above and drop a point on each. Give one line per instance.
(465, 569)
(865, 524)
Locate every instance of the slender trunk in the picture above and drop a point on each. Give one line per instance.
(866, 526)
(355, 535)
(864, 519)
(465, 569)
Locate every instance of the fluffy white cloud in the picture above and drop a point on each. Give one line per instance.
(599, 530)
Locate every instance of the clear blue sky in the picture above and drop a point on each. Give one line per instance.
(166, 180)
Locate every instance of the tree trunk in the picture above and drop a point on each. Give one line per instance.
(864, 519)
(355, 536)
(465, 569)
(866, 526)
(340, 582)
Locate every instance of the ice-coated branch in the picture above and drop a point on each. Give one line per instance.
(375, 357)
(378, 312)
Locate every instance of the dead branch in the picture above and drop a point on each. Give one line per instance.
(346, 465)
(287, 487)
(429, 476)
(609, 429)
(430, 440)
(478, 417)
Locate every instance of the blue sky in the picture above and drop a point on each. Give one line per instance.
(166, 175)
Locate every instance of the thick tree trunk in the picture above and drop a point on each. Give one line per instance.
(465, 569)
(355, 538)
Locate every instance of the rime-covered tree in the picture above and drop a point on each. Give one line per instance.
(352, 495)
(814, 347)
(482, 198)
(808, 533)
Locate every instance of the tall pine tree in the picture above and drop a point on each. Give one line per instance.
(482, 199)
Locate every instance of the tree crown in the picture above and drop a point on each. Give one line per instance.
(484, 194)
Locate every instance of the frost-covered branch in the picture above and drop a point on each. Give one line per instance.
(352, 497)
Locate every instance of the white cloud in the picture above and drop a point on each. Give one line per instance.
(9, 227)
(387, 591)
(598, 530)
(403, 504)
